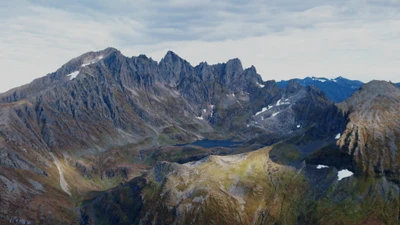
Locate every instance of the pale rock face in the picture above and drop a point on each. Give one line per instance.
(372, 134)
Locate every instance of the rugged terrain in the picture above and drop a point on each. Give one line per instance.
(372, 137)
(295, 181)
(104, 118)
(105, 140)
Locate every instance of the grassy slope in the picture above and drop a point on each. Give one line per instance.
(248, 188)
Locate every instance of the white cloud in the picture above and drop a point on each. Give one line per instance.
(359, 39)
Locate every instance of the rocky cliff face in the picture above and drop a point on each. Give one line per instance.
(372, 134)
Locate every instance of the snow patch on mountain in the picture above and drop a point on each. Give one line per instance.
(260, 85)
(199, 117)
(322, 167)
(319, 79)
(212, 110)
(92, 61)
(264, 109)
(285, 102)
(344, 173)
(73, 75)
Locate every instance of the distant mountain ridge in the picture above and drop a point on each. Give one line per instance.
(337, 89)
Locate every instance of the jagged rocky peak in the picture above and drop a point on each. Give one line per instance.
(251, 74)
(173, 68)
(171, 57)
(251, 71)
(293, 87)
(173, 60)
(269, 85)
(234, 65)
(142, 57)
(75, 66)
(67, 72)
(236, 77)
(202, 67)
(202, 64)
(89, 58)
(252, 68)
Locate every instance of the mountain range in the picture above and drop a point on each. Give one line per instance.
(338, 89)
(110, 139)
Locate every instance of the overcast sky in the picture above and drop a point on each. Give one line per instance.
(283, 39)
